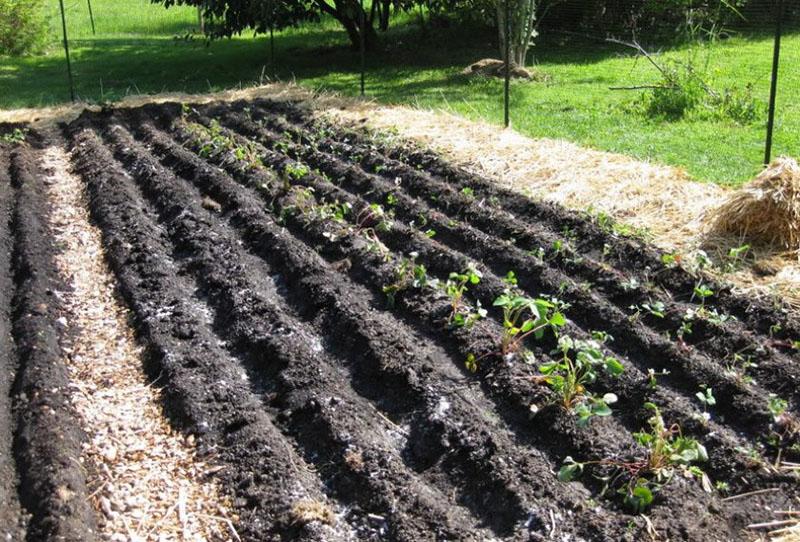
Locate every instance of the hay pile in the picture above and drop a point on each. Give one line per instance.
(766, 211)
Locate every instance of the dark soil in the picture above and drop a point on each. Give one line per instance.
(43, 483)
(262, 305)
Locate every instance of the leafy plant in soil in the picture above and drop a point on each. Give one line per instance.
(213, 142)
(786, 426)
(525, 316)
(577, 368)
(669, 452)
(407, 274)
(462, 315)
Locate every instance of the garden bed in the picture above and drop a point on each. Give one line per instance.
(265, 257)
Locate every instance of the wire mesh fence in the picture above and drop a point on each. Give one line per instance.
(681, 82)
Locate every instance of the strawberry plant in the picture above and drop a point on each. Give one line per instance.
(295, 171)
(702, 292)
(407, 274)
(577, 369)
(668, 452)
(524, 316)
(461, 314)
(374, 217)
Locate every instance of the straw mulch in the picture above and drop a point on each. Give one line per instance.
(662, 201)
(669, 208)
(766, 211)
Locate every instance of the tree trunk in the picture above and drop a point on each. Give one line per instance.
(521, 26)
(349, 15)
(383, 22)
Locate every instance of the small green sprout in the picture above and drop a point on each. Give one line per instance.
(461, 315)
(671, 260)
(510, 278)
(469, 192)
(652, 381)
(524, 316)
(777, 406)
(407, 274)
(295, 171)
(668, 451)
(656, 308)
(703, 292)
(430, 234)
(570, 375)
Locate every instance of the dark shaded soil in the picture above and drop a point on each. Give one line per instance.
(247, 240)
(43, 482)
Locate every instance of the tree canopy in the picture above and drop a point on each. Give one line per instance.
(233, 17)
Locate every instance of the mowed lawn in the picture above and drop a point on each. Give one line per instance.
(142, 48)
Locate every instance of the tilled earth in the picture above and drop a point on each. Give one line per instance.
(254, 244)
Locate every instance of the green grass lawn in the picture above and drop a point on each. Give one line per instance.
(138, 49)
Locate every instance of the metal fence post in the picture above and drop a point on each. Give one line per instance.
(66, 51)
(91, 17)
(363, 47)
(507, 89)
(773, 91)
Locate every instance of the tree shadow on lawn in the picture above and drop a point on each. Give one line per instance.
(110, 68)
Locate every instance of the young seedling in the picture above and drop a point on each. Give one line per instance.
(461, 314)
(736, 257)
(702, 292)
(407, 274)
(667, 452)
(706, 396)
(655, 308)
(739, 367)
(525, 316)
(18, 135)
(295, 171)
(577, 369)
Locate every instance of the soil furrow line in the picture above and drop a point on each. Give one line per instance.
(306, 380)
(589, 444)
(12, 518)
(207, 394)
(48, 438)
(275, 245)
(139, 467)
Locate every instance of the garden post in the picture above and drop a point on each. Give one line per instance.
(91, 17)
(66, 51)
(773, 91)
(363, 47)
(507, 88)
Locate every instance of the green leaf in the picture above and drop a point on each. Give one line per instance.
(527, 326)
(547, 368)
(640, 497)
(613, 366)
(570, 470)
(471, 363)
(601, 409)
(558, 320)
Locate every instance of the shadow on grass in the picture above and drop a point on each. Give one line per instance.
(111, 68)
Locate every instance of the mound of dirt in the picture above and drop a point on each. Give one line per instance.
(492, 67)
